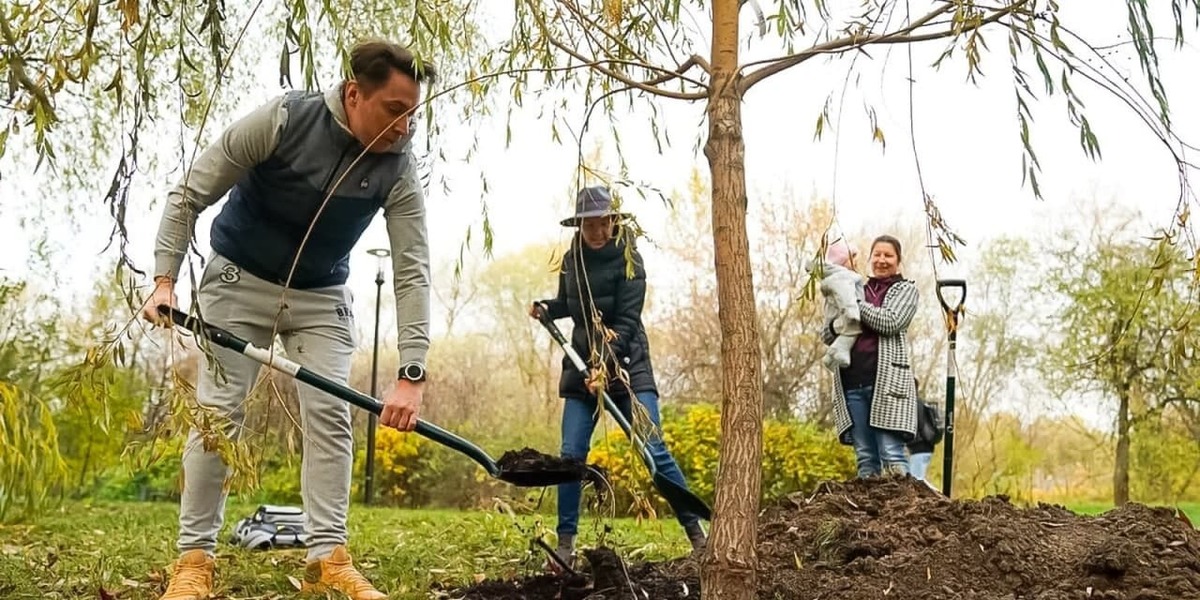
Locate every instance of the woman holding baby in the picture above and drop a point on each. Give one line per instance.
(874, 397)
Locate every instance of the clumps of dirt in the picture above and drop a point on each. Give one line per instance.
(896, 539)
(529, 467)
(565, 587)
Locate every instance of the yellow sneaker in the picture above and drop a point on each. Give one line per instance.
(193, 577)
(336, 572)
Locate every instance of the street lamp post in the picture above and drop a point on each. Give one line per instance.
(369, 489)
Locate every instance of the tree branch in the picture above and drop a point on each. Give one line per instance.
(1130, 97)
(649, 86)
(591, 25)
(694, 60)
(905, 35)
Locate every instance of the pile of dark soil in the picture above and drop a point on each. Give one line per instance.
(895, 539)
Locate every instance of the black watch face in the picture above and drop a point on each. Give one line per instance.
(414, 372)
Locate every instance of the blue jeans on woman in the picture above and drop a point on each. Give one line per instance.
(875, 449)
(578, 423)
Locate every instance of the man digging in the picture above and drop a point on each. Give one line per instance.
(279, 163)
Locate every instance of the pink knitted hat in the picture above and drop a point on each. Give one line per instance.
(840, 253)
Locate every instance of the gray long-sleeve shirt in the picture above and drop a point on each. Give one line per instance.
(252, 140)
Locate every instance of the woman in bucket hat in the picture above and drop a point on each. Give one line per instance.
(605, 306)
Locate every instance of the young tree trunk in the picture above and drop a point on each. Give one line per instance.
(731, 561)
(1121, 464)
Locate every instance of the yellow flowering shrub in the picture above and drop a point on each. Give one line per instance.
(399, 466)
(796, 457)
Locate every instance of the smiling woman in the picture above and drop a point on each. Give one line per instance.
(874, 396)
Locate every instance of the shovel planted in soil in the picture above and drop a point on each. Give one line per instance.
(676, 494)
(953, 314)
(527, 467)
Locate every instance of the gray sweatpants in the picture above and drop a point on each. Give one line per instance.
(317, 329)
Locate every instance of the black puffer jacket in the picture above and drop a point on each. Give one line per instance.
(618, 299)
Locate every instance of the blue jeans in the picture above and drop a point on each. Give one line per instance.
(578, 423)
(918, 464)
(875, 449)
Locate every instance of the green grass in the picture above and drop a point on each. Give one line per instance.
(124, 549)
(1191, 509)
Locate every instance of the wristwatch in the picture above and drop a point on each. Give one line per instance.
(413, 372)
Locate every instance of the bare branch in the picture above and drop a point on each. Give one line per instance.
(649, 86)
(694, 60)
(905, 35)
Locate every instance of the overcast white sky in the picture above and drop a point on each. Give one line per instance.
(966, 139)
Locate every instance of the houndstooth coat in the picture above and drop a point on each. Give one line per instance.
(894, 405)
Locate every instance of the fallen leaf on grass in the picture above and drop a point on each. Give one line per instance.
(295, 582)
(479, 577)
(106, 595)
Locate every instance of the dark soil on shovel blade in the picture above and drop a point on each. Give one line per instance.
(895, 539)
(531, 467)
(528, 459)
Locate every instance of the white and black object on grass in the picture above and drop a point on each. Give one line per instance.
(545, 471)
(271, 526)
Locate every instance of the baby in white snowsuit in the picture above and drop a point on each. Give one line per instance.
(842, 288)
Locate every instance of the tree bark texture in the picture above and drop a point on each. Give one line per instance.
(731, 562)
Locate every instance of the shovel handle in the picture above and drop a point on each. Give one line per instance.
(952, 283)
(543, 317)
(228, 340)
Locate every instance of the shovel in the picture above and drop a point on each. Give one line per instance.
(525, 468)
(953, 313)
(677, 495)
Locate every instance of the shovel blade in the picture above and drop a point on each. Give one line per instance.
(680, 497)
(541, 478)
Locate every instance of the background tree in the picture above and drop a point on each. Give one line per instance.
(788, 232)
(1123, 329)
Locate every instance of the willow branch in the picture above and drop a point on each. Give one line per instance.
(591, 25)
(1131, 99)
(658, 24)
(905, 35)
(649, 86)
(642, 61)
(16, 66)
